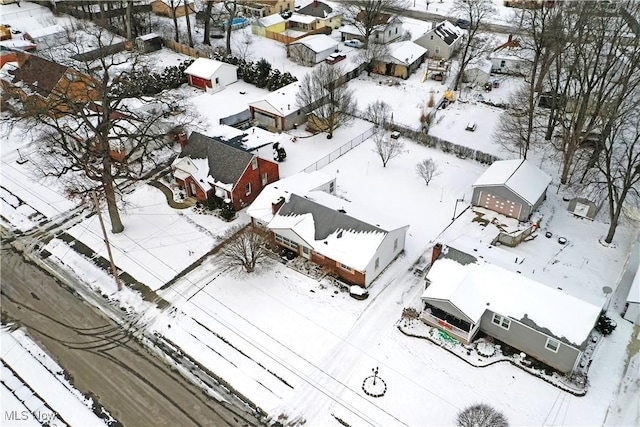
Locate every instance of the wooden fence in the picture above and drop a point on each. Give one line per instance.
(184, 49)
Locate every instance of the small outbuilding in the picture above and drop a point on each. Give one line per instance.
(585, 208)
(47, 37)
(273, 23)
(477, 72)
(515, 188)
(149, 42)
(311, 50)
(279, 110)
(205, 73)
(402, 60)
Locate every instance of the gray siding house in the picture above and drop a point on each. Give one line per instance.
(465, 295)
(515, 188)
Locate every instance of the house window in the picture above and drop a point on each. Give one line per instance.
(254, 163)
(346, 267)
(431, 37)
(332, 187)
(552, 345)
(305, 251)
(192, 186)
(503, 64)
(70, 76)
(217, 80)
(389, 33)
(264, 178)
(395, 245)
(377, 263)
(247, 188)
(396, 30)
(503, 322)
(286, 242)
(437, 50)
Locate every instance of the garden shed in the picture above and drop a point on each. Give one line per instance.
(206, 73)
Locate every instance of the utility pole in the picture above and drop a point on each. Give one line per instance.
(114, 270)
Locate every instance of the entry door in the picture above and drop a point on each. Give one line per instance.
(305, 252)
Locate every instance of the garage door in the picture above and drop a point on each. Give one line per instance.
(500, 205)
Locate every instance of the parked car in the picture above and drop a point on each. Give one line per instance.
(354, 43)
(471, 126)
(463, 23)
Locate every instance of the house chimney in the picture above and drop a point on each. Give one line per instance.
(182, 139)
(315, 3)
(437, 249)
(275, 207)
(510, 37)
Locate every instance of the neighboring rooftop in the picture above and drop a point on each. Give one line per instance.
(281, 102)
(317, 42)
(205, 67)
(317, 9)
(448, 32)
(405, 52)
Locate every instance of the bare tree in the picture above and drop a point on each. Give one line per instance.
(245, 248)
(386, 148)
(593, 76)
(427, 170)
(173, 7)
(378, 113)
(473, 46)
(97, 129)
(481, 415)
(329, 98)
(619, 163)
(231, 6)
(188, 21)
(372, 15)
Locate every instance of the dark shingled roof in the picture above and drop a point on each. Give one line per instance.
(326, 220)
(317, 9)
(226, 163)
(445, 34)
(39, 74)
(458, 256)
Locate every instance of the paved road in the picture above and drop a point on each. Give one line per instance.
(137, 388)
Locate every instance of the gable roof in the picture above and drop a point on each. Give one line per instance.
(281, 102)
(301, 19)
(317, 42)
(39, 74)
(317, 9)
(406, 52)
(448, 32)
(226, 163)
(475, 287)
(205, 68)
(45, 32)
(300, 183)
(519, 175)
(380, 18)
(270, 20)
(335, 227)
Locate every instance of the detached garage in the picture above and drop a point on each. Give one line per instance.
(514, 188)
(206, 73)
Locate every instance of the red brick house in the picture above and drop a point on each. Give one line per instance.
(210, 166)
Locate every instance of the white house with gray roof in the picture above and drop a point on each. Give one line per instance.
(442, 40)
(466, 295)
(350, 241)
(312, 49)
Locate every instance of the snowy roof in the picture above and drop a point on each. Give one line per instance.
(248, 139)
(406, 52)
(205, 68)
(317, 42)
(280, 102)
(261, 208)
(334, 227)
(519, 175)
(317, 9)
(474, 287)
(47, 31)
(480, 64)
(448, 32)
(270, 20)
(351, 29)
(224, 163)
(301, 19)
(149, 36)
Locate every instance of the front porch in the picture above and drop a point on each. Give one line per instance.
(458, 328)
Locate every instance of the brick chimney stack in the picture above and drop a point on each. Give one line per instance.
(275, 207)
(437, 250)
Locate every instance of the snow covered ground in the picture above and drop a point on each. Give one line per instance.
(34, 389)
(301, 348)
